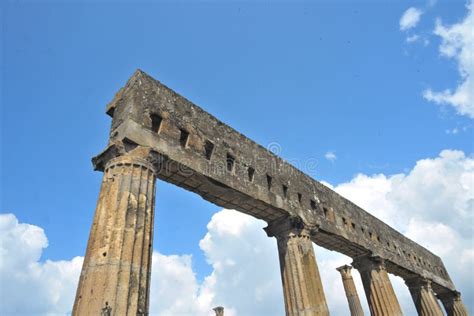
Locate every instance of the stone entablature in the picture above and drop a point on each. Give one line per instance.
(158, 134)
(199, 153)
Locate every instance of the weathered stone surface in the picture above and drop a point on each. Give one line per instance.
(377, 286)
(302, 287)
(423, 296)
(164, 135)
(453, 304)
(116, 270)
(205, 156)
(351, 292)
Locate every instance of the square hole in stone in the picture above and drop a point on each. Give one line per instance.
(183, 138)
(269, 181)
(208, 149)
(250, 173)
(156, 122)
(230, 161)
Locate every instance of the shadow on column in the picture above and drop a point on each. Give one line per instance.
(423, 296)
(302, 287)
(377, 286)
(453, 304)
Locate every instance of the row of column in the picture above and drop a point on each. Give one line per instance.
(115, 277)
(303, 290)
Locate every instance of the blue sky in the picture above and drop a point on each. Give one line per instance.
(315, 77)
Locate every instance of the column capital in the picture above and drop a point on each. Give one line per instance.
(219, 310)
(290, 226)
(127, 160)
(450, 295)
(452, 303)
(345, 271)
(418, 282)
(125, 148)
(368, 262)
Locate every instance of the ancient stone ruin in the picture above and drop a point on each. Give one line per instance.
(157, 133)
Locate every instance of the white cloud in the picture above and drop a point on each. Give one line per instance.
(245, 277)
(331, 156)
(432, 204)
(415, 38)
(410, 18)
(174, 287)
(458, 43)
(366, 191)
(412, 38)
(246, 268)
(453, 131)
(29, 286)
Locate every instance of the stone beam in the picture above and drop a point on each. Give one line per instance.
(196, 151)
(302, 287)
(351, 292)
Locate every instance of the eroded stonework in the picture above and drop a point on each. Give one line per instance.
(116, 269)
(157, 133)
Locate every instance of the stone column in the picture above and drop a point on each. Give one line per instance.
(302, 287)
(453, 304)
(351, 292)
(425, 300)
(115, 277)
(377, 286)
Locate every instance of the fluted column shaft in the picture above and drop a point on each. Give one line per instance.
(423, 296)
(116, 271)
(302, 287)
(377, 286)
(453, 304)
(351, 292)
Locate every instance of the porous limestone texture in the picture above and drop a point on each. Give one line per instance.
(116, 271)
(156, 133)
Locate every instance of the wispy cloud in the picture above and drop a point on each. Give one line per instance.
(331, 156)
(457, 43)
(412, 38)
(453, 131)
(410, 18)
